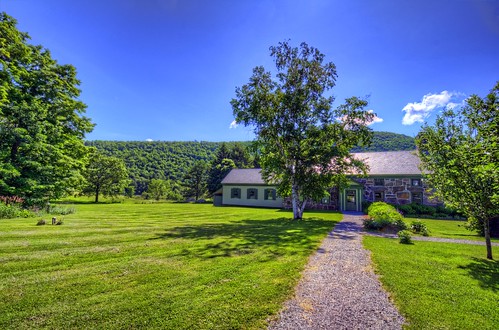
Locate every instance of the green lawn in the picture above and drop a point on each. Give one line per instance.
(450, 229)
(439, 285)
(171, 266)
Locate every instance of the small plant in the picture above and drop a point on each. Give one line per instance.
(59, 222)
(419, 227)
(405, 237)
(41, 222)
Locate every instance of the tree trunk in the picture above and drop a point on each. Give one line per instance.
(295, 199)
(486, 230)
(97, 196)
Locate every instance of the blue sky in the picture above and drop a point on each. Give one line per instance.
(167, 69)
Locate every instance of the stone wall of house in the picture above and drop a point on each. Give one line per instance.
(395, 190)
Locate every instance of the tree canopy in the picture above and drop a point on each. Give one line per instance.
(105, 175)
(303, 143)
(460, 154)
(41, 119)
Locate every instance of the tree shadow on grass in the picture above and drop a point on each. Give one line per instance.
(276, 237)
(485, 271)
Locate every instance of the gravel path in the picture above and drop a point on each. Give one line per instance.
(339, 289)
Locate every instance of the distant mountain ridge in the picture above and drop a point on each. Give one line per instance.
(170, 160)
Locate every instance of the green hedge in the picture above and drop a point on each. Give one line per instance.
(383, 215)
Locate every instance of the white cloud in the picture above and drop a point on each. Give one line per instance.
(233, 124)
(419, 111)
(149, 140)
(376, 119)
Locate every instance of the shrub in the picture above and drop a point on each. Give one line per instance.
(400, 224)
(383, 215)
(8, 211)
(370, 224)
(41, 222)
(419, 227)
(405, 237)
(365, 206)
(406, 209)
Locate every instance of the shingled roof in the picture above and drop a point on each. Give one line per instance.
(244, 176)
(380, 163)
(391, 162)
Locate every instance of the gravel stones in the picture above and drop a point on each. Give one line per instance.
(339, 289)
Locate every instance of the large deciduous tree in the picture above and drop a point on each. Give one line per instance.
(460, 154)
(303, 143)
(105, 175)
(41, 122)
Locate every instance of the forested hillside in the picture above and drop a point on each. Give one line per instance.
(387, 141)
(157, 160)
(171, 160)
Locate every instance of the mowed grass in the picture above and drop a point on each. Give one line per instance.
(450, 229)
(439, 285)
(170, 266)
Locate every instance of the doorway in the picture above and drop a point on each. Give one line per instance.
(351, 200)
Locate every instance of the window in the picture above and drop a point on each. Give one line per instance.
(379, 196)
(416, 182)
(252, 193)
(269, 194)
(235, 193)
(379, 182)
(417, 198)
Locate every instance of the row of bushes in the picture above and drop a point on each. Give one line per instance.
(414, 210)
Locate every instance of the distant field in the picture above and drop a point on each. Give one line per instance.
(171, 266)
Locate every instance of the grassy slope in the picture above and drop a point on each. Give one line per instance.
(439, 285)
(153, 266)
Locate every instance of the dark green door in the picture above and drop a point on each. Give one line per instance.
(351, 200)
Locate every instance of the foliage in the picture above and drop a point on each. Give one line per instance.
(303, 144)
(164, 160)
(419, 227)
(387, 141)
(405, 237)
(157, 189)
(227, 158)
(41, 120)
(438, 285)
(41, 222)
(105, 175)
(460, 155)
(162, 266)
(420, 210)
(61, 209)
(12, 207)
(383, 215)
(196, 180)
